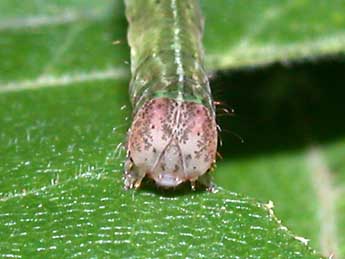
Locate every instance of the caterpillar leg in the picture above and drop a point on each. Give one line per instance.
(193, 185)
(132, 176)
(207, 181)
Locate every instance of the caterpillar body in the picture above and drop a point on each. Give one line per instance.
(173, 136)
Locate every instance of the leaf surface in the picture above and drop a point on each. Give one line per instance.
(60, 186)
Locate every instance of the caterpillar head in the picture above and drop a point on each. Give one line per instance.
(171, 142)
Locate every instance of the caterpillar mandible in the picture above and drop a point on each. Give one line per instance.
(173, 136)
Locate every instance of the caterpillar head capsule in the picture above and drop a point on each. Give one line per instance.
(170, 142)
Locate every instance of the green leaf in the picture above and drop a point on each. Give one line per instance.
(74, 36)
(60, 188)
(294, 146)
(62, 194)
(247, 33)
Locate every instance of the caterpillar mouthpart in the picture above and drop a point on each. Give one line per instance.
(170, 141)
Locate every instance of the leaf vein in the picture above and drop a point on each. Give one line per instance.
(65, 79)
(265, 54)
(326, 194)
(66, 17)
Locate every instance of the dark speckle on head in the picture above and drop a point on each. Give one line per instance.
(169, 138)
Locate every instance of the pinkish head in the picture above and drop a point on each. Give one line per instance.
(172, 142)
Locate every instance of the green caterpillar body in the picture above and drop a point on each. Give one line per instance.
(173, 137)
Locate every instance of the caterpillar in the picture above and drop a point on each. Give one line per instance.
(173, 135)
